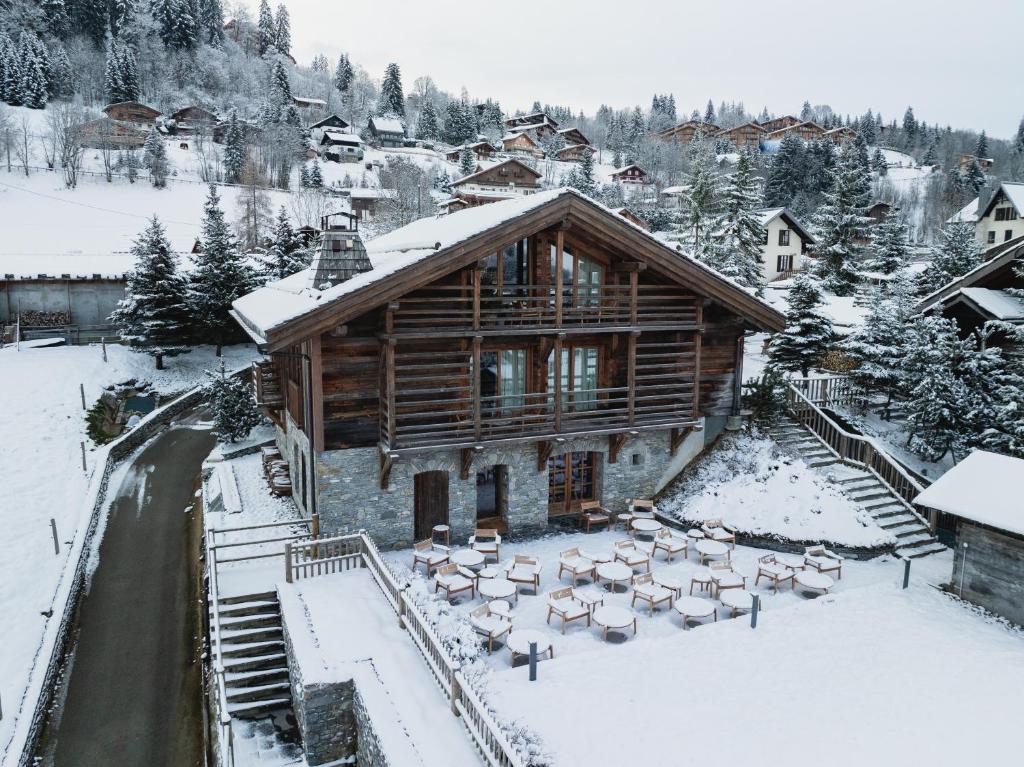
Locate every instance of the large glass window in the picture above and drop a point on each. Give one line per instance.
(581, 278)
(579, 377)
(508, 272)
(502, 380)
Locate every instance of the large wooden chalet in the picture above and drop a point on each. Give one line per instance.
(685, 132)
(511, 178)
(808, 131)
(499, 365)
(746, 135)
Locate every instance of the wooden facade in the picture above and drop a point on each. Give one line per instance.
(510, 178)
(631, 174)
(685, 132)
(191, 119)
(808, 131)
(841, 135)
(778, 123)
(482, 150)
(575, 153)
(522, 143)
(131, 112)
(534, 118)
(746, 135)
(573, 136)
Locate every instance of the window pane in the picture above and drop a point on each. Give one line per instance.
(513, 378)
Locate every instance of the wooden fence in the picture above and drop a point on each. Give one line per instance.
(311, 557)
(828, 391)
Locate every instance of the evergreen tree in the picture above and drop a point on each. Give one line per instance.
(444, 182)
(931, 155)
(909, 127)
(427, 127)
(343, 75)
(63, 80)
(280, 88)
(841, 224)
(586, 181)
(981, 150)
(183, 31)
(92, 17)
(304, 176)
(956, 254)
(737, 249)
(878, 163)
(234, 150)
(152, 316)
(285, 254)
(974, 178)
(392, 98)
(709, 113)
(787, 171)
(636, 131)
(58, 20)
(888, 251)
(211, 21)
(808, 334)
(159, 164)
(9, 74)
(467, 160)
(316, 177)
(876, 347)
(266, 30)
(32, 90)
(234, 410)
(282, 31)
(458, 128)
(121, 77)
(860, 150)
(220, 276)
(701, 202)
(1018, 141)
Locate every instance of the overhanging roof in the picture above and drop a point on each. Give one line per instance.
(984, 487)
(1005, 253)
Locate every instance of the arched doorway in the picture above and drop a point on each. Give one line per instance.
(430, 502)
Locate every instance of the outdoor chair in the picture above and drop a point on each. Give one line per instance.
(525, 569)
(628, 553)
(667, 541)
(716, 531)
(563, 603)
(433, 555)
(593, 513)
(776, 572)
(487, 542)
(490, 624)
(724, 577)
(575, 564)
(646, 590)
(454, 580)
(823, 560)
(641, 508)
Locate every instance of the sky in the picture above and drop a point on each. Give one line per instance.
(952, 65)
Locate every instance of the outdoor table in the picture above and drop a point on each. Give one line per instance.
(467, 558)
(625, 519)
(597, 557)
(672, 584)
(737, 599)
(497, 588)
(694, 607)
(646, 526)
(613, 572)
(491, 571)
(444, 530)
(695, 534)
(519, 643)
(589, 599)
(614, 618)
(701, 579)
(792, 561)
(814, 581)
(708, 548)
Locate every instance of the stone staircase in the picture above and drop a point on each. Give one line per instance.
(253, 655)
(893, 514)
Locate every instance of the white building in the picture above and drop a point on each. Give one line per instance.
(785, 244)
(997, 216)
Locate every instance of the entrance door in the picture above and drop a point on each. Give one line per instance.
(571, 479)
(490, 496)
(430, 501)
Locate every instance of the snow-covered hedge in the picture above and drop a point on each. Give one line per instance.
(750, 484)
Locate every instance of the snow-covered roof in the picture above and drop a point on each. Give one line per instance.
(275, 305)
(387, 124)
(998, 304)
(769, 215)
(473, 176)
(1014, 192)
(108, 266)
(622, 170)
(672, 191)
(342, 138)
(305, 101)
(984, 487)
(1005, 254)
(968, 213)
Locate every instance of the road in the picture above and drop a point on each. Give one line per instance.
(134, 696)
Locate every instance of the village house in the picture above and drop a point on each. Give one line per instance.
(980, 498)
(511, 178)
(685, 132)
(308, 103)
(482, 150)
(631, 174)
(386, 131)
(538, 132)
(575, 152)
(784, 245)
(841, 135)
(996, 213)
(808, 131)
(523, 144)
(330, 123)
(573, 136)
(985, 163)
(430, 378)
(132, 112)
(341, 147)
(534, 118)
(742, 136)
(365, 203)
(778, 123)
(104, 133)
(191, 120)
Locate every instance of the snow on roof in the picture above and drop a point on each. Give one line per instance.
(768, 215)
(771, 214)
(1000, 304)
(627, 167)
(984, 487)
(968, 213)
(109, 266)
(1006, 253)
(472, 176)
(388, 124)
(1014, 192)
(673, 190)
(342, 138)
(307, 101)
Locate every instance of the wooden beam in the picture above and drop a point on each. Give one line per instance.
(697, 341)
(544, 448)
(476, 297)
(615, 443)
(559, 250)
(475, 386)
(558, 383)
(631, 378)
(389, 389)
(387, 460)
(737, 383)
(466, 462)
(677, 437)
(633, 297)
(316, 367)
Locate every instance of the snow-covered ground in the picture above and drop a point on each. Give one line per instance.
(41, 425)
(842, 310)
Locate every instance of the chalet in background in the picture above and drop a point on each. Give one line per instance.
(778, 123)
(575, 152)
(631, 174)
(132, 112)
(511, 178)
(999, 213)
(841, 135)
(521, 143)
(191, 120)
(534, 118)
(482, 150)
(685, 132)
(808, 131)
(341, 147)
(573, 136)
(965, 161)
(330, 123)
(386, 131)
(742, 136)
(497, 366)
(785, 244)
(104, 133)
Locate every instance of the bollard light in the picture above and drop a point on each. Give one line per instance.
(533, 661)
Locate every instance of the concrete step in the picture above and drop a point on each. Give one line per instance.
(238, 679)
(924, 551)
(263, 596)
(255, 621)
(250, 608)
(246, 636)
(880, 503)
(259, 709)
(897, 521)
(252, 649)
(913, 541)
(244, 663)
(260, 693)
(907, 532)
(820, 462)
(863, 482)
(889, 510)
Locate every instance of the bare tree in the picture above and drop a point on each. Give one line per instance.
(66, 123)
(405, 196)
(253, 203)
(309, 205)
(6, 133)
(23, 142)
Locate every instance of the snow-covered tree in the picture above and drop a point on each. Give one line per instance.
(973, 177)
(211, 21)
(152, 316)
(786, 172)
(343, 75)
(459, 125)
(221, 275)
(443, 182)
(266, 30)
(581, 178)
(282, 31)
(736, 252)
(316, 176)
(427, 126)
(981, 148)
(808, 334)
(286, 254)
(234, 150)
(888, 250)
(701, 200)
(232, 406)
(878, 163)
(876, 346)
(32, 89)
(58, 20)
(841, 224)
(956, 254)
(159, 164)
(392, 97)
(467, 160)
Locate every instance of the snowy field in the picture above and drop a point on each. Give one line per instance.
(41, 425)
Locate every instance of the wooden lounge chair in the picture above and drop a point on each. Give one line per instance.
(577, 565)
(628, 553)
(646, 590)
(563, 603)
(431, 554)
(454, 580)
(716, 531)
(524, 569)
(667, 541)
(593, 513)
(490, 624)
(823, 560)
(641, 508)
(776, 572)
(487, 542)
(724, 577)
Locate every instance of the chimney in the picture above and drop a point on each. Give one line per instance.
(342, 255)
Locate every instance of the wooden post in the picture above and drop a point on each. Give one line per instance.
(314, 527)
(697, 343)
(288, 561)
(475, 386)
(455, 693)
(559, 249)
(737, 384)
(631, 378)
(56, 540)
(81, 391)
(389, 373)
(316, 371)
(558, 381)
(103, 345)
(633, 289)
(476, 296)
(82, 445)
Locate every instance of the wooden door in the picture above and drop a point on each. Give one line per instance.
(430, 501)
(571, 479)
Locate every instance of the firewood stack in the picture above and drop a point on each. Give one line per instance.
(275, 469)
(34, 319)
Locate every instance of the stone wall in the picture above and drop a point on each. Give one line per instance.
(993, 576)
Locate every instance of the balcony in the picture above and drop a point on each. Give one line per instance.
(267, 385)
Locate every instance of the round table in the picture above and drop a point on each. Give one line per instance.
(614, 572)
(467, 558)
(519, 643)
(497, 588)
(708, 548)
(728, 580)
(614, 618)
(672, 584)
(695, 534)
(597, 557)
(491, 571)
(647, 526)
(694, 607)
(737, 599)
(814, 581)
(444, 530)
(792, 561)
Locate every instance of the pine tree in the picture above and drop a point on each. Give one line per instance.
(220, 276)
(58, 20)
(457, 128)
(737, 248)
(280, 88)
(878, 163)
(931, 154)
(304, 175)
(909, 127)
(709, 113)
(981, 150)
(876, 347)
(152, 315)
(211, 21)
(586, 182)
(285, 254)
(184, 29)
(444, 182)
(63, 81)
(956, 254)
(234, 410)
(701, 202)
(787, 171)
(841, 224)
(316, 177)
(92, 18)
(1018, 141)
(234, 150)
(343, 75)
(808, 334)
(159, 164)
(467, 160)
(806, 112)
(265, 29)
(392, 98)
(282, 31)
(974, 177)
(888, 251)
(32, 89)
(637, 130)
(427, 127)
(112, 75)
